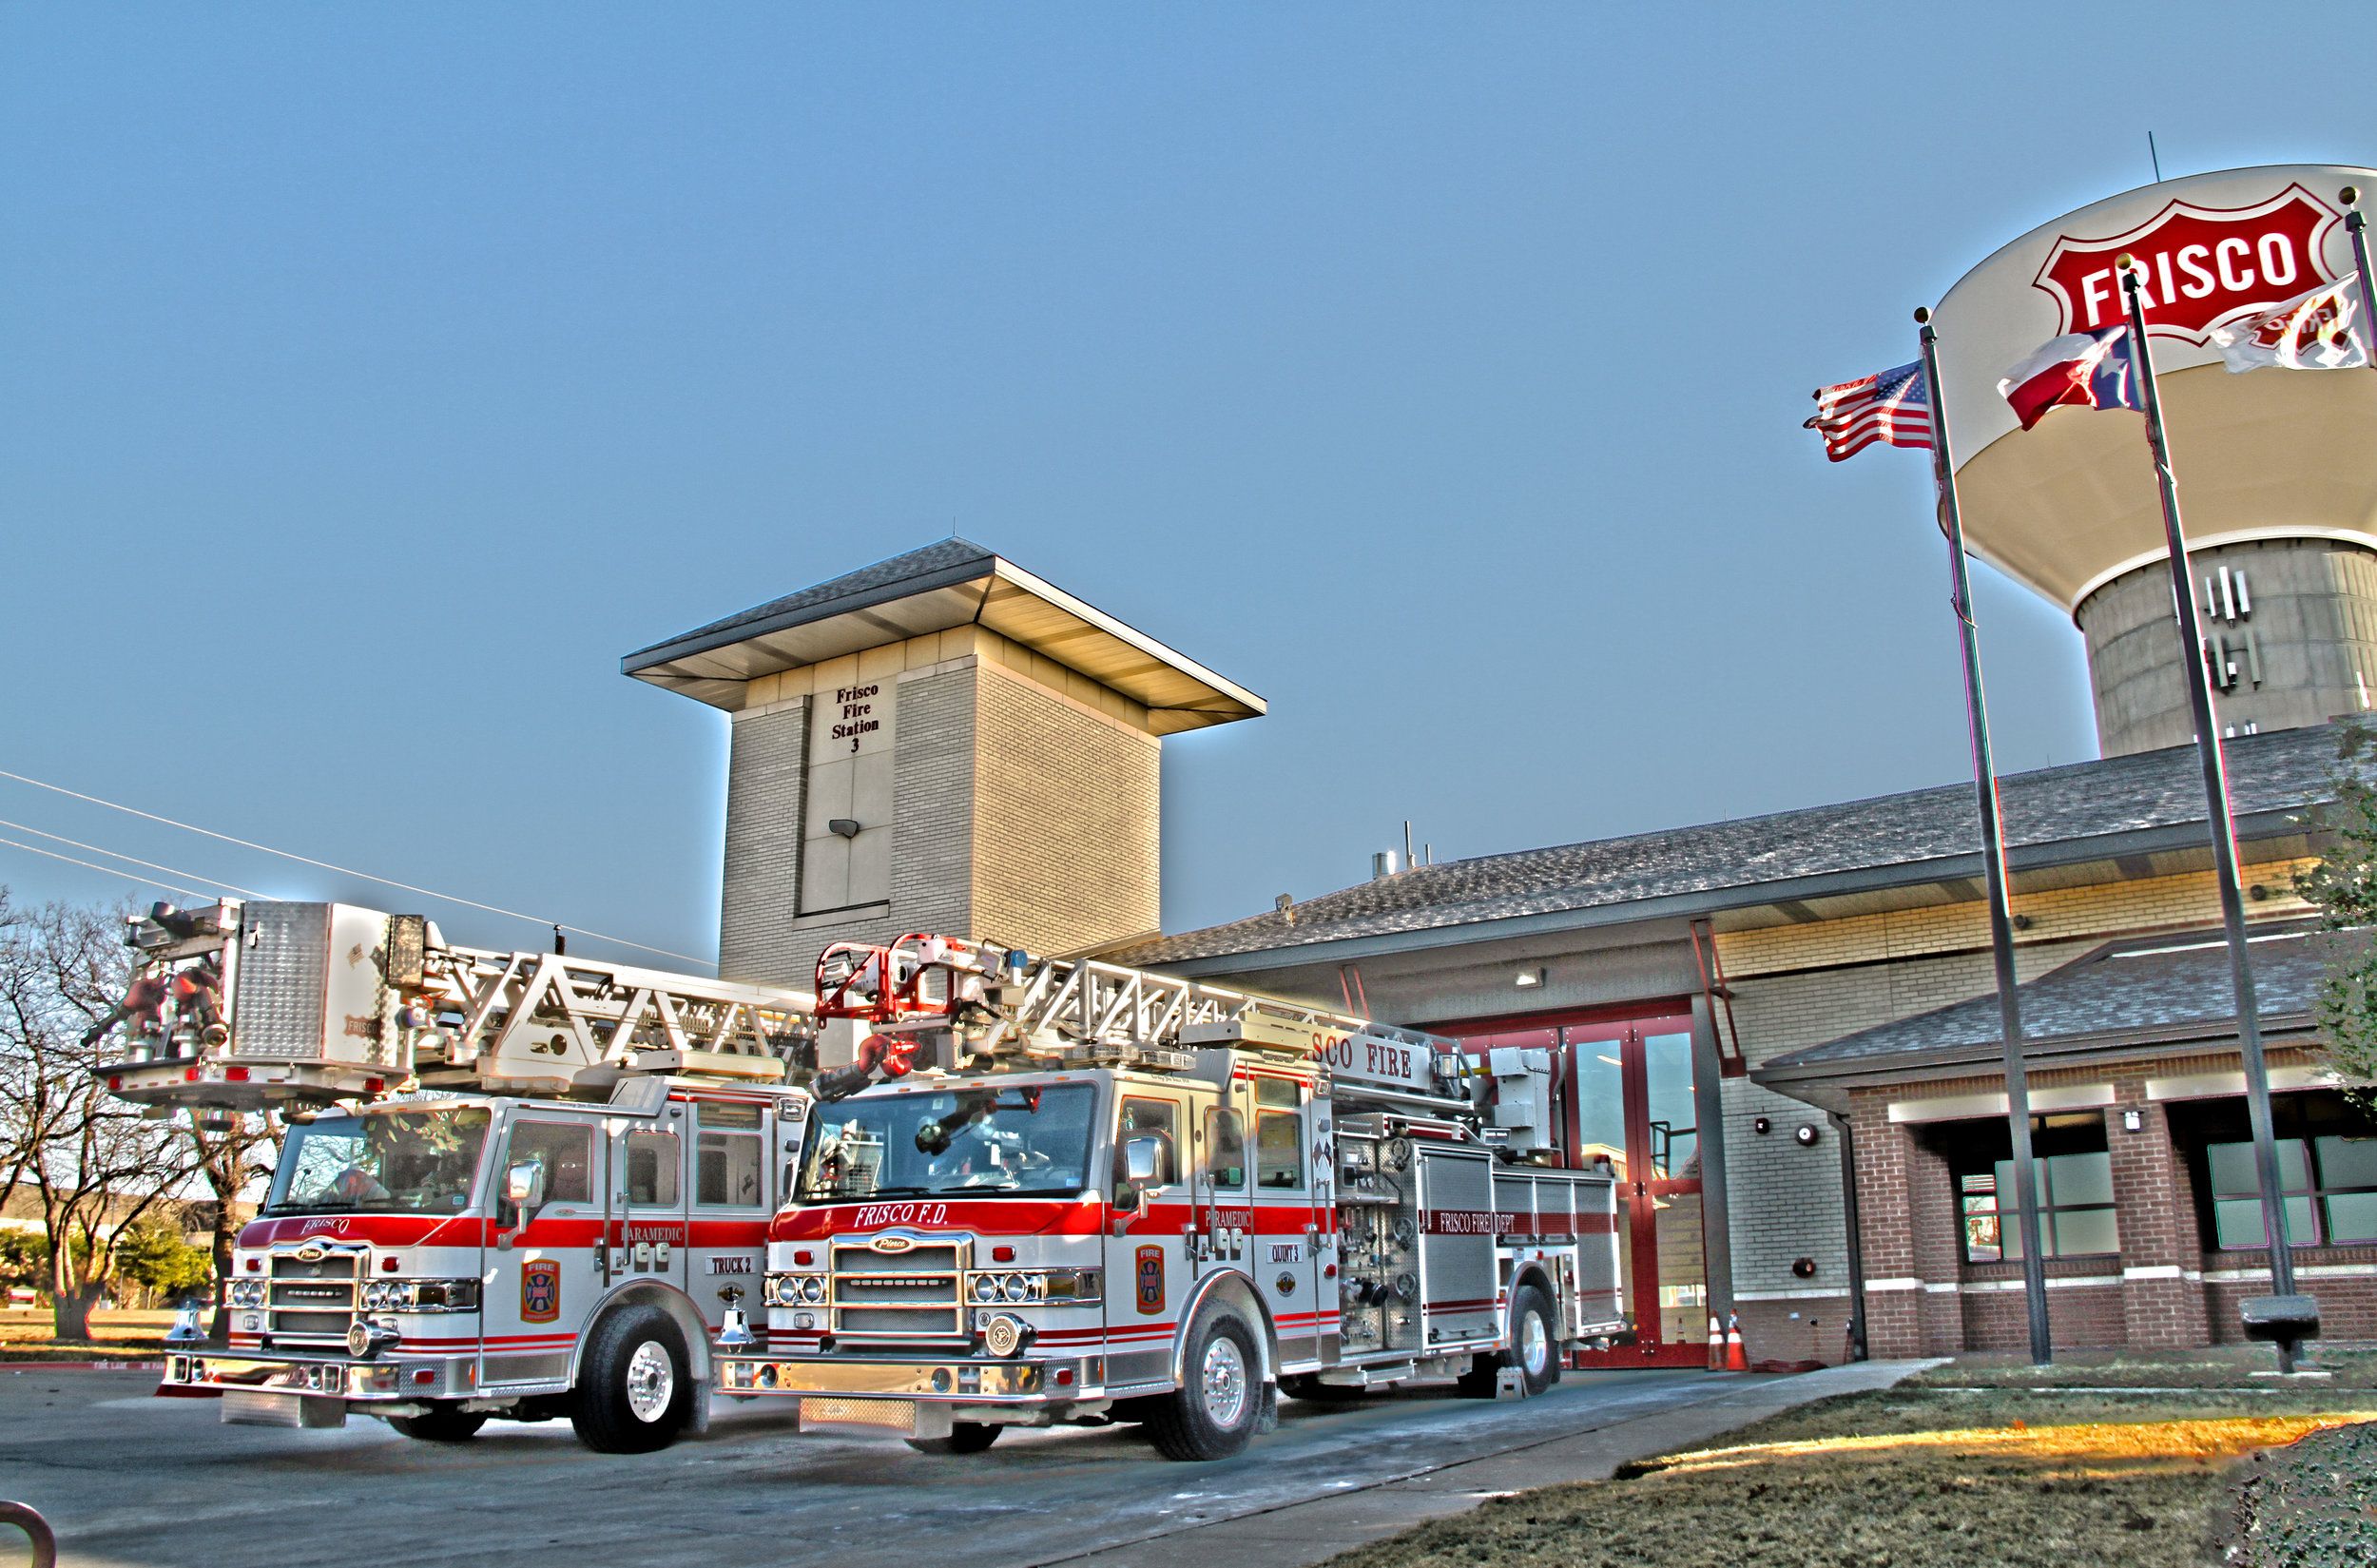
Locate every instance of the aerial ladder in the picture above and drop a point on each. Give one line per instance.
(243, 1005)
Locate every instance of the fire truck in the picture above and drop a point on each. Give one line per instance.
(1051, 1190)
(512, 1185)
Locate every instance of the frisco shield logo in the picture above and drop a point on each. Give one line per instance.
(2202, 266)
(1150, 1274)
(540, 1290)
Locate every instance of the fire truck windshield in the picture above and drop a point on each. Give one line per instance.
(1031, 1140)
(408, 1161)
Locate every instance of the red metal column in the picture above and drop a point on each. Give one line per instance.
(1642, 1220)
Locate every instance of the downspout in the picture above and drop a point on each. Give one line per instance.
(1856, 1240)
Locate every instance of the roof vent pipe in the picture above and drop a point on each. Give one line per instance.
(1385, 863)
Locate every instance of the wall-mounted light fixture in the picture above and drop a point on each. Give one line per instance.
(1527, 979)
(2133, 1120)
(842, 827)
(1808, 1134)
(1804, 1267)
(1762, 1127)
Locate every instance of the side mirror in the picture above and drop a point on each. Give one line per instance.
(1141, 1157)
(524, 1185)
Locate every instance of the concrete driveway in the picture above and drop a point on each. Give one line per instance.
(128, 1478)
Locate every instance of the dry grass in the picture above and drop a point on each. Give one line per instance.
(25, 1334)
(1895, 1480)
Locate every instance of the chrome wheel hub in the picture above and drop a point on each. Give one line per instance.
(651, 1381)
(1223, 1381)
(1535, 1345)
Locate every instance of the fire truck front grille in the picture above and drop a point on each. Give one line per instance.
(312, 1297)
(899, 1295)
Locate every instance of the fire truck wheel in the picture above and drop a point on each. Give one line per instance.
(1535, 1350)
(443, 1424)
(635, 1393)
(965, 1437)
(1213, 1414)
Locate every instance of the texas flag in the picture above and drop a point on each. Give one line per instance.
(2083, 369)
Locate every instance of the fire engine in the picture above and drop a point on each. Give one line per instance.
(512, 1185)
(1051, 1190)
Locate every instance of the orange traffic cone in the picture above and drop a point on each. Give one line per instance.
(1736, 1359)
(1716, 1345)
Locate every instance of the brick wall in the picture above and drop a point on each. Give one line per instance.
(1065, 821)
(765, 769)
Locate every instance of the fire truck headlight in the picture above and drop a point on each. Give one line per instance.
(1015, 1287)
(375, 1297)
(812, 1288)
(986, 1288)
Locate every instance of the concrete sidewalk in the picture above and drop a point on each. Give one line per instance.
(1312, 1532)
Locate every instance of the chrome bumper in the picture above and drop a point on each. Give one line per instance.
(397, 1379)
(954, 1382)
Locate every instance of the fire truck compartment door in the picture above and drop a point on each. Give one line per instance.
(540, 1289)
(1147, 1269)
(1279, 1253)
(728, 1244)
(1458, 1280)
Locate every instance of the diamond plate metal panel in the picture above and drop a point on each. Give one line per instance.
(283, 977)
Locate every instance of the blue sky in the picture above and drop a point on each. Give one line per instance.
(376, 377)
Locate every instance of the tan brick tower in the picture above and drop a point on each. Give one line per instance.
(941, 742)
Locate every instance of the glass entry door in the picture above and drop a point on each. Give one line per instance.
(1625, 1094)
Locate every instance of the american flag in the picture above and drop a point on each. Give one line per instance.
(1892, 407)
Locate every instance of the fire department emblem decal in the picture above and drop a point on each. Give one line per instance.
(540, 1290)
(1150, 1273)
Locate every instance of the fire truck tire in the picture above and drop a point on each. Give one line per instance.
(635, 1391)
(443, 1424)
(1534, 1348)
(1213, 1415)
(965, 1437)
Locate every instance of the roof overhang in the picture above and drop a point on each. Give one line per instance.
(2150, 852)
(712, 664)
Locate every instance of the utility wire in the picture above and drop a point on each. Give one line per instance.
(118, 854)
(145, 881)
(344, 871)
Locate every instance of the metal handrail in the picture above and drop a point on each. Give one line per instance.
(36, 1528)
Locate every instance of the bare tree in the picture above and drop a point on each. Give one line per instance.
(96, 1163)
(234, 1153)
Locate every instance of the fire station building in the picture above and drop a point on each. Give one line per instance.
(1780, 1032)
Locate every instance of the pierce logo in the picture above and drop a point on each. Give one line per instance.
(1150, 1273)
(540, 1290)
(2202, 266)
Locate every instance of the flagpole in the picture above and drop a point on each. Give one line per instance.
(1993, 862)
(2223, 841)
(2356, 223)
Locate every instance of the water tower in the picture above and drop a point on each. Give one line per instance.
(2277, 470)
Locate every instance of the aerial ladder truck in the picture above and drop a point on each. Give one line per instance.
(511, 1184)
(1053, 1191)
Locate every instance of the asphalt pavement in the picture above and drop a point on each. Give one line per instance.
(127, 1478)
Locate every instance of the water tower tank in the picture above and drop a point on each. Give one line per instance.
(2277, 470)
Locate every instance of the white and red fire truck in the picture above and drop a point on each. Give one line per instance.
(1085, 1194)
(513, 1185)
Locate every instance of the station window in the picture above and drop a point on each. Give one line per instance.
(1225, 1149)
(2327, 1169)
(2072, 1168)
(652, 1159)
